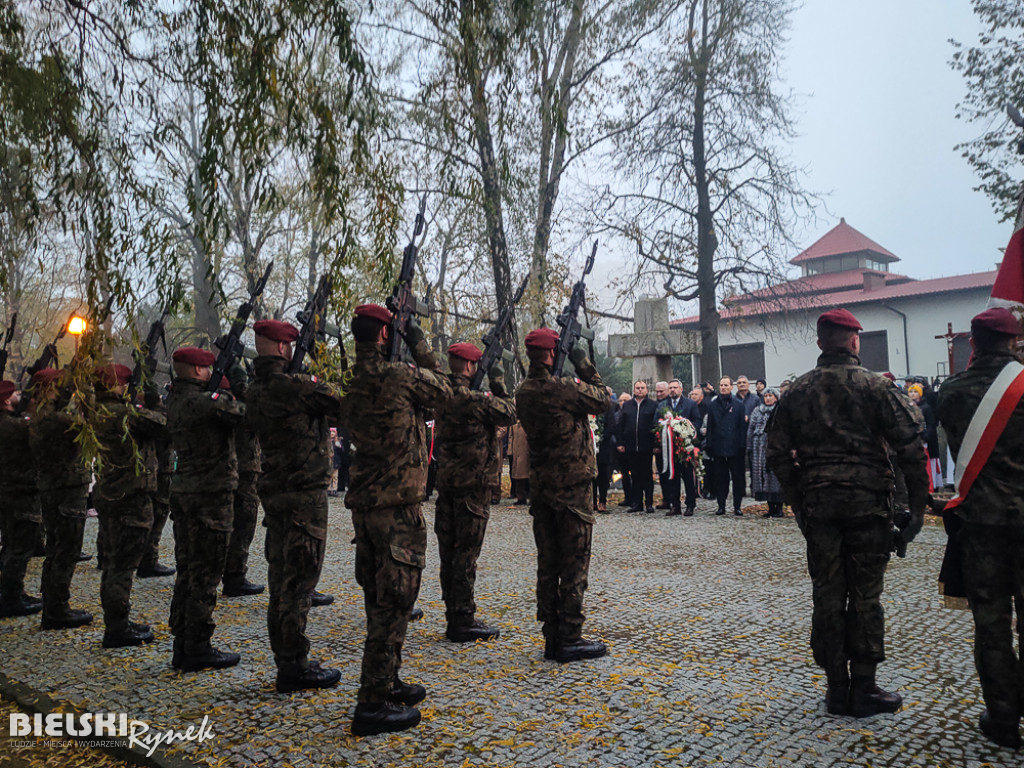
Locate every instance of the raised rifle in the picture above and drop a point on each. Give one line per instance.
(8, 335)
(313, 319)
(145, 358)
(572, 329)
(48, 357)
(231, 346)
(493, 350)
(402, 302)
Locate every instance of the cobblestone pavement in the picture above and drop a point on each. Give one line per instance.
(707, 619)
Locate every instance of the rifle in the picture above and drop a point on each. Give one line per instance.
(7, 343)
(402, 302)
(313, 321)
(48, 357)
(231, 346)
(145, 362)
(492, 340)
(572, 330)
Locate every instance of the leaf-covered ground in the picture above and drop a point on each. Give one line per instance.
(707, 620)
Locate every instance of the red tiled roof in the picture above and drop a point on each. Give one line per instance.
(843, 238)
(821, 283)
(823, 301)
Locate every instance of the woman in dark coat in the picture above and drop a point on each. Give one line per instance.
(766, 485)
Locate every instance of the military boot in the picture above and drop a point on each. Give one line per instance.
(291, 679)
(470, 632)
(70, 620)
(211, 658)
(20, 605)
(1004, 733)
(837, 696)
(574, 650)
(154, 570)
(409, 694)
(867, 699)
(388, 717)
(416, 613)
(243, 588)
(133, 634)
(319, 598)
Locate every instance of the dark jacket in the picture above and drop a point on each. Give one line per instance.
(727, 427)
(635, 426)
(202, 429)
(684, 407)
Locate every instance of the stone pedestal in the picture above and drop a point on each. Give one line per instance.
(653, 343)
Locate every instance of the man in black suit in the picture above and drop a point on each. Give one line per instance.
(683, 473)
(635, 439)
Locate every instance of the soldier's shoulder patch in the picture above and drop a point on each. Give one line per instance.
(314, 379)
(411, 365)
(215, 395)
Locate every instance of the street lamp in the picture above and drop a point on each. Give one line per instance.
(76, 327)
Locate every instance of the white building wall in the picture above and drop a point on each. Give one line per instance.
(790, 348)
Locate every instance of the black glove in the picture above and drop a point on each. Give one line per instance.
(238, 379)
(413, 333)
(578, 356)
(496, 377)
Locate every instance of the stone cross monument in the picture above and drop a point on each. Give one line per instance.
(653, 343)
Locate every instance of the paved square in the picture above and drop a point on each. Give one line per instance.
(707, 619)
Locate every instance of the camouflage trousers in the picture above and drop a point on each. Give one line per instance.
(161, 511)
(846, 558)
(202, 526)
(563, 536)
(64, 518)
(994, 578)
(19, 523)
(296, 524)
(460, 523)
(124, 526)
(391, 546)
(247, 507)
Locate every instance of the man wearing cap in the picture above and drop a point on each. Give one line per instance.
(384, 410)
(990, 502)
(20, 514)
(554, 413)
(122, 495)
(290, 413)
(202, 427)
(828, 445)
(62, 478)
(466, 446)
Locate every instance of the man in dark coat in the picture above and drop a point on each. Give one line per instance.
(682, 474)
(991, 507)
(634, 438)
(829, 446)
(726, 445)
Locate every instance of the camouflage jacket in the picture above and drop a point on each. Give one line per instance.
(127, 436)
(202, 428)
(997, 495)
(553, 413)
(384, 411)
(841, 419)
(57, 457)
(289, 413)
(17, 469)
(465, 440)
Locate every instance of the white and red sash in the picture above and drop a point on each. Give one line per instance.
(986, 426)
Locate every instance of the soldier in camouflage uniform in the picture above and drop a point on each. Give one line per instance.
(290, 413)
(828, 445)
(554, 414)
(151, 567)
(122, 496)
(247, 502)
(62, 478)
(202, 427)
(20, 514)
(384, 411)
(467, 451)
(992, 511)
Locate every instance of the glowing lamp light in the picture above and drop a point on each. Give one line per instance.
(77, 326)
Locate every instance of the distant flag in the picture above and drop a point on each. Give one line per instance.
(1008, 290)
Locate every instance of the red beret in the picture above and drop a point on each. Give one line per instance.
(276, 330)
(224, 383)
(466, 351)
(542, 338)
(194, 356)
(376, 311)
(114, 375)
(45, 376)
(997, 320)
(7, 388)
(840, 317)
(889, 376)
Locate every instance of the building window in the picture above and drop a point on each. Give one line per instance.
(874, 351)
(743, 359)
